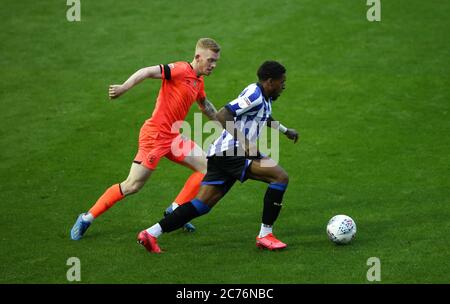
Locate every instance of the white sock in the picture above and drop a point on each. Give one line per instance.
(155, 230)
(174, 206)
(88, 217)
(265, 230)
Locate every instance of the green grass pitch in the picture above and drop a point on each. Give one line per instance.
(370, 100)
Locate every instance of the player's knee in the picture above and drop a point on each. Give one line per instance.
(131, 187)
(282, 177)
(202, 167)
(201, 207)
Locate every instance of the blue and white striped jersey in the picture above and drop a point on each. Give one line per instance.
(251, 111)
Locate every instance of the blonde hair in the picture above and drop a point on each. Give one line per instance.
(209, 44)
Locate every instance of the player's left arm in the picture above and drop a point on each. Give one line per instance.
(116, 90)
(275, 124)
(207, 108)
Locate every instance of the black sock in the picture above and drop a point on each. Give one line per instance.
(272, 202)
(179, 217)
(183, 214)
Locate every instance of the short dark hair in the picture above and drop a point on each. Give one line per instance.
(270, 69)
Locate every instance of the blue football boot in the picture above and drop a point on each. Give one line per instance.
(79, 228)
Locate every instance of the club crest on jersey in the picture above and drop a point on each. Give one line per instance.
(244, 102)
(193, 83)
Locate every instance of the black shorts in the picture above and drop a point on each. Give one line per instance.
(226, 170)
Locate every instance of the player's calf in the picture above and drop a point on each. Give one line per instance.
(183, 214)
(189, 227)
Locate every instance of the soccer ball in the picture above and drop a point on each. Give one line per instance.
(341, 229)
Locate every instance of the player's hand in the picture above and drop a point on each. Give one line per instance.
(292, 134)
(115, 90)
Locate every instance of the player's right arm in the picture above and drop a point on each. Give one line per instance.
(115, 90)
(226, 118)
(275, 124)
(249, 99)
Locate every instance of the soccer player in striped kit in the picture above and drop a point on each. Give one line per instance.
(234, 156)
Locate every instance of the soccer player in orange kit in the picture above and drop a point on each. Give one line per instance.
(182, 85)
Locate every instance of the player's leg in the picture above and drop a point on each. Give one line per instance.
(136, 179)
(196, 161)
(207, 197)
(214, 186)
(268, 171)
(194, 158)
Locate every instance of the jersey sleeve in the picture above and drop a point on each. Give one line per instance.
(172, 70)
(249, 99)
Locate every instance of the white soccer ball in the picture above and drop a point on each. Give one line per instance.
(341, 229)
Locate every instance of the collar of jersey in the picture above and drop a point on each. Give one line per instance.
(262, 92)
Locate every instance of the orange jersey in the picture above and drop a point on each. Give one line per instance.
(179, 90)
